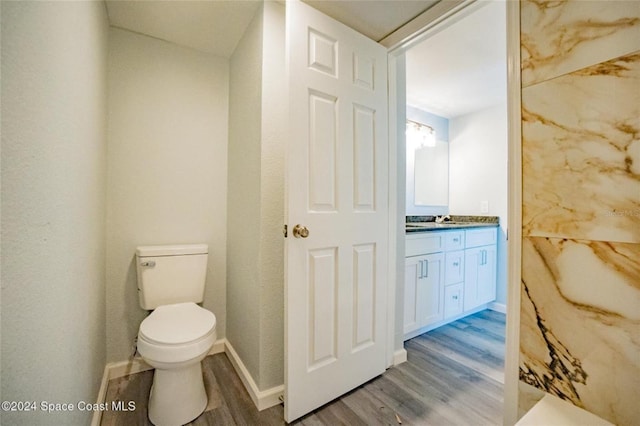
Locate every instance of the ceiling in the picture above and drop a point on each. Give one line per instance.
(458, 70)
(212, 26)
(216, 26)
(374, 18)
(462, 68)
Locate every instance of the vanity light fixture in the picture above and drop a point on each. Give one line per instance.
(420, 135)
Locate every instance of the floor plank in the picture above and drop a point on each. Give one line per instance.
(454, 375)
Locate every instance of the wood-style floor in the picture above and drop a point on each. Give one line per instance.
(453, 376)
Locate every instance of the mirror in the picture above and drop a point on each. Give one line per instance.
(431, 175)
(427, 149)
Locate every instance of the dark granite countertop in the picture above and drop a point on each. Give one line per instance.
(428, 223)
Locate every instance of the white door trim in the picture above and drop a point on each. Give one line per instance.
(514, 199)
(418, 29)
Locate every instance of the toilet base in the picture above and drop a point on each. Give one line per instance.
(177, 396)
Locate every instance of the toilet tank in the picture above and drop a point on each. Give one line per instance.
(171, 274)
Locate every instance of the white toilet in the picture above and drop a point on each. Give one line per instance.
(178, 334)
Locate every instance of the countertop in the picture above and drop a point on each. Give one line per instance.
(432, 226)
(427, 223)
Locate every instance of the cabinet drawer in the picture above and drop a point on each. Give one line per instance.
(426, 243)
(454, 267)
(454, 241)
(481, 237)
(453, 303)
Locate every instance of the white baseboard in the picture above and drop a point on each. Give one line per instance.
(218, 347)
(102, 395)
(498, 307)
(114, 370)
(399, 357)
(261, 399)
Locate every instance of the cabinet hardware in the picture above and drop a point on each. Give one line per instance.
(455, 263)
(426, 267)
(455, 297)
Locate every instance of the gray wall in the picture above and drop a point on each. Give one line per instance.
(255, 261)
(243, 199)
(53, 202)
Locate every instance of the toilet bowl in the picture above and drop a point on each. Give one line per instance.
(175, 339)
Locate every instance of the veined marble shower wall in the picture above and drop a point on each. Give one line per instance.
(580, 306)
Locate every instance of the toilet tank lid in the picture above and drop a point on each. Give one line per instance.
(171, 250)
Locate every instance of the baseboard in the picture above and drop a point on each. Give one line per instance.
(114, 370)
(498, 307)
(261, 399)
(96, 419)
(399, 356)
(218, 347)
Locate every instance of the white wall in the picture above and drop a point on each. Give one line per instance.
(256, 198)
(53, 202)
(167, 169)
(478, 172)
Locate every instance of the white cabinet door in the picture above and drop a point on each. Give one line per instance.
(480, 276)
(412, 271)
(430, 289)
(336, 187)
(487, 276)
(423, 291)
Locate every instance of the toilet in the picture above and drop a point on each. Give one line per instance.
(177, 334)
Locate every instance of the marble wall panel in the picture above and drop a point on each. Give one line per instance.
(559, 37)
(580, 304)
(581, 153)
(580, 324)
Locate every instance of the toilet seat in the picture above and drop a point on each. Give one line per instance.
(176, 333)
(177, 324)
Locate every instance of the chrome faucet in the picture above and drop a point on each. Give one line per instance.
(441, 219)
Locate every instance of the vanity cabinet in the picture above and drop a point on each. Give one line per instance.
(447, 274)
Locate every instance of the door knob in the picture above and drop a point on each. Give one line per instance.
(300, 231)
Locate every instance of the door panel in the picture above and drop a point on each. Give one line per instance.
(322, 152)
(337, 186)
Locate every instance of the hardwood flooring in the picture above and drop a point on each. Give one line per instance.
(453, 376)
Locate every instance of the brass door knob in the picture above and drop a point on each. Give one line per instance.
(300, 231)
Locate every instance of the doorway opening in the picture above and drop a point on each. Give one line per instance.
(453, 80)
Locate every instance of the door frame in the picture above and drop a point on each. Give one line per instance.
(418, 29)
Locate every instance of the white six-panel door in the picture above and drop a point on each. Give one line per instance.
(337, 188)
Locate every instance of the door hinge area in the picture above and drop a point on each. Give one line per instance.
(285, 231)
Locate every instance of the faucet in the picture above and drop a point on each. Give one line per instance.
(443, 218)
